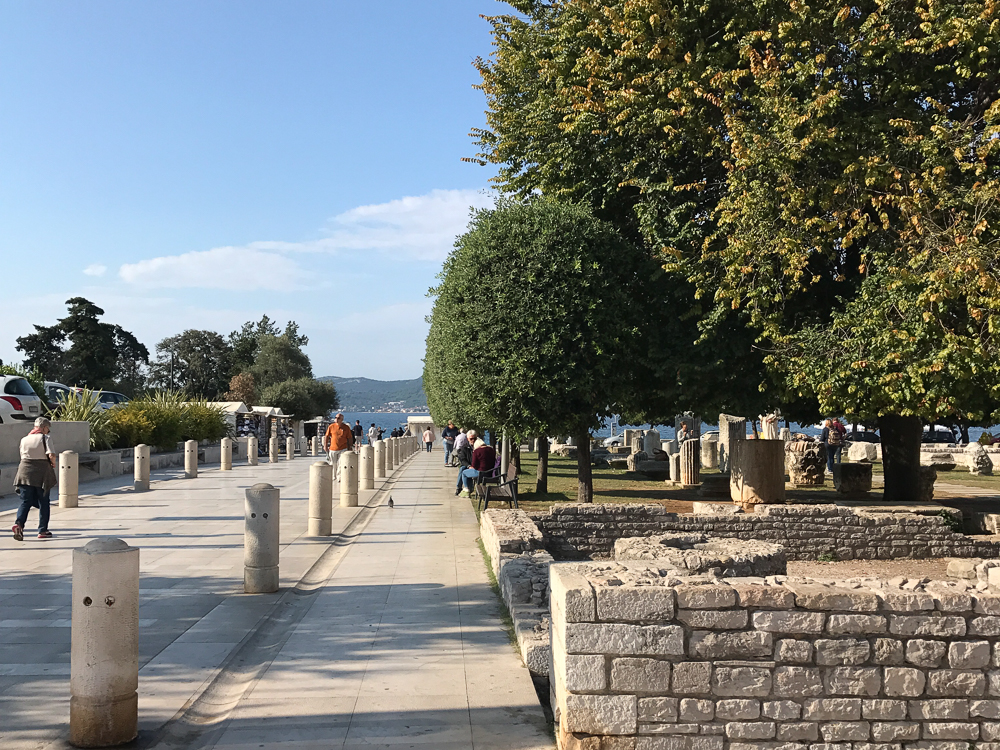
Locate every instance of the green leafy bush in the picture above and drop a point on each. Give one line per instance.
(164, 419)
(204, 422)
(85, 406)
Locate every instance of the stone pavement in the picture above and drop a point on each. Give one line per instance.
(385, 635)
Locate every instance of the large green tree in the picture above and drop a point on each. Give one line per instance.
(197, 362)
(824, 175)
(83, 350)
(280, 358)
(303, 398)
(535, 328)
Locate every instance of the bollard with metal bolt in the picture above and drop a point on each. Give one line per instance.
(397, 453)
(379, 459)
(320, 499)
(366, 467)
(140, 482)
(261, 539)
(312, 446)
(69, 479)
(272, 450)
(289, 448)
(252, 450)
(104, 655)
(388, 456)
(348, 479)
(191, 459)
(226, 455)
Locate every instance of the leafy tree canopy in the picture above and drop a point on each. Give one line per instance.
(197, 362)
(303, 398)
(280, 358)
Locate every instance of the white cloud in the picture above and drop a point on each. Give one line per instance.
(95, 269)
(420, 227)
(220, 268)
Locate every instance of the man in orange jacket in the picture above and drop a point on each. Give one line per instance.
(338, 439)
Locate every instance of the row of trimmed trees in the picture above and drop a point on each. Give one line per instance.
(772, 205)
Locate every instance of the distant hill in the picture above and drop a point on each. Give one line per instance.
(365, 394)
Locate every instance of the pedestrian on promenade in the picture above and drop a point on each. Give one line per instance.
(36, 476)
(484, 461)
(833, 439)
(372, 434)
(448, 436)
(429, 439)
(338, 438)
(381, 432)
(359, 435)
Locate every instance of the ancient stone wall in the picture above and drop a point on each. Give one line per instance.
(645, 662)
(574, 532)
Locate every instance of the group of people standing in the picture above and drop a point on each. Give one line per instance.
(474, 455)
(833, 436)
(341, 437)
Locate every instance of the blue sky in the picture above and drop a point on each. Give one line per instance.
(198, 164)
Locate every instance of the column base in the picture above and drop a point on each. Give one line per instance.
(93, 724)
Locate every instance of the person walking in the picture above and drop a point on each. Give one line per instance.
(358, 433)
(429, 439)
(339, 438)
(448, 436)
(36, 476)
(372, 434)
(833, 439)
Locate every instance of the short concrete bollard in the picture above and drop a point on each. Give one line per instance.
(289, 448)
(320, 499)
(69, 479)
(261, 539)
(396, 458)
(388, 455)
(380, 459)
(366, 470)
(348, 479)
(272, 450)
(104, 655)
(313, 446)
(252, 447)
(191, 459)
(140, 462)
(226, 453)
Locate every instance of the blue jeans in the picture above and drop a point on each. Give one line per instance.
(33, 497)
(429, 446)
(833, 455)
(448, 445)
(468, 477)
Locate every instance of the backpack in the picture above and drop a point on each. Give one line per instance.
(833, 437)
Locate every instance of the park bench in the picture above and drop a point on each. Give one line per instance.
(498, 487)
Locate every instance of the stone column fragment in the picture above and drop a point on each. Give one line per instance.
(730, 429)
(104, 654)
(691, 462)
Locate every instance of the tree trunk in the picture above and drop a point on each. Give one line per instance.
(900, 438)
(517, 457)
(584, 478)
(542, 475)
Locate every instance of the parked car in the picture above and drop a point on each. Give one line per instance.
(613, 440)
(940, 434)
(18, 400)
(863, 436)
(108, 399)
(54, 393)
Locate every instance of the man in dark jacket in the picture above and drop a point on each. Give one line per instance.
(484, 461)
(464, 455)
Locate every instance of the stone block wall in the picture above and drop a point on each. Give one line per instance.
(645, 662)
(575, 532)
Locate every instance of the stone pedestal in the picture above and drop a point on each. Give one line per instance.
(272, 450)
(853, 480)
(730, 429)
(191, 459)
(710, 453)
(140, 463)
(785, 434)
(104, 656)
(261, 540)
(671, 447)
(691, 462)
(715, 486)
(675, 467)
(380, 459)
(348, 479)
(638, 444)
(69, 479)
(757, 472)
(252, 448)
(651, 442)
(226, 453)
(289, 448)
(805, 463)
(366, 467)
(320, 499)
(928, 475)
(978, 461)
(389, 463)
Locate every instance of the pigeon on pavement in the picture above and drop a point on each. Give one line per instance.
(390, 501)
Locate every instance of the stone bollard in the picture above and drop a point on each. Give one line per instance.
(261, 539)
(675, 467)
(397, 452)
(691, 463)
(272, 450)
(191, 459)
(69, 479)
(710, 452)
(366, 470)
(388, 456)
(104, 655)
(348, 479)
(226, 455)
(312, 446)
(252, 450)
(320, 499)
(140, 462)
(379, 459)
(289, 448)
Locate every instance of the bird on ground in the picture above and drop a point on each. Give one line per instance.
(390, 501)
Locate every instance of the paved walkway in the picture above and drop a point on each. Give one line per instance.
(385, 636)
